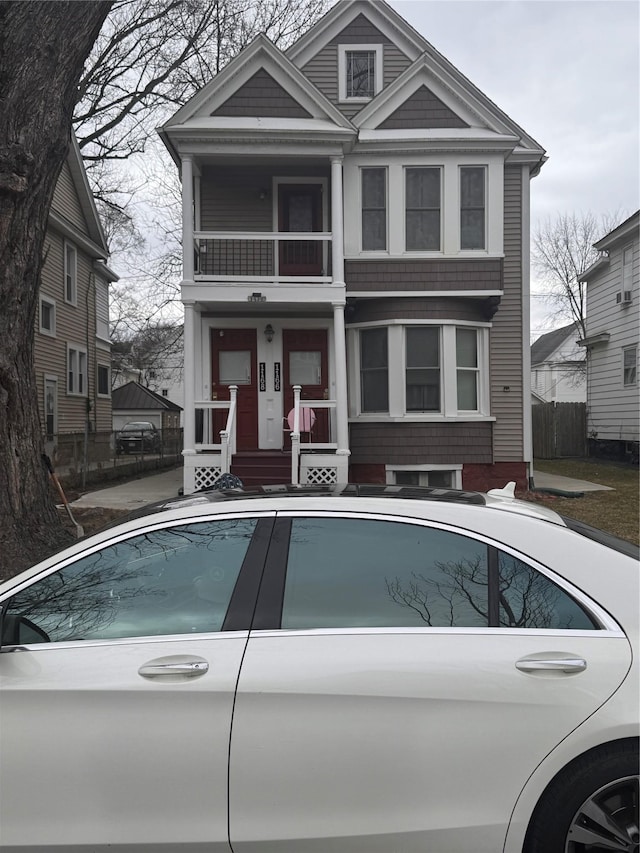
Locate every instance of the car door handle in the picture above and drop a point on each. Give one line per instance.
(174, 668)
(551, 664)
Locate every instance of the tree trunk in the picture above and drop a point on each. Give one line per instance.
(43, 46)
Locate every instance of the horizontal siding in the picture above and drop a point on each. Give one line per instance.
(230, 199)
(66, 202)
(613, 409)
(423, 109)
(409, 308)
(406, 444)
(506, 339)
(75, 325)
(423, 275)
(262, 96)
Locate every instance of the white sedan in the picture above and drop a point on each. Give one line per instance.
(371, 669)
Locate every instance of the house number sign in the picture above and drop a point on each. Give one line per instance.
(263, 376)
(276, 376)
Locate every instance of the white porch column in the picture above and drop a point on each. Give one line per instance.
(187, 219)
(337, 221)
(342, 412)
(189, 415)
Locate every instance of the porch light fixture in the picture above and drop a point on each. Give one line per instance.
(269, 332)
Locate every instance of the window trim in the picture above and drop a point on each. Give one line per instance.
(52, 305)
(461, 168)
(343, 50)
(73, 391)
(70, 276)
(632, 367)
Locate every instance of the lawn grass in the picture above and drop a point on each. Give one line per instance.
(617, 512)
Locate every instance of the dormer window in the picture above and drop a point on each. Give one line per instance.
(360, 71)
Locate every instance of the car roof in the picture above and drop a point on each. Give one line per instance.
(291, 495)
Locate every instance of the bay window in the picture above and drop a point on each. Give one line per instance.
(374, 371)
(423, 369)
(467, 369)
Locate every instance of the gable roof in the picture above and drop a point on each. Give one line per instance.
(134, 396)
(547, 344)
(207, 113)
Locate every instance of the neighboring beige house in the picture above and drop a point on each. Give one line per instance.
(355, 232)
(613, 323)
(72, 350)
(558, 368)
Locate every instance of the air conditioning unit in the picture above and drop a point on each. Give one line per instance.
(623, 297)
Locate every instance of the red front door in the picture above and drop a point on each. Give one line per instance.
(305, 363)
(300, 209)
(233, 353)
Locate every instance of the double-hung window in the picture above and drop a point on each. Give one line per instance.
(467, 370)
(472, 207)
(76, 370)
(423, 369)
(374, 210)
(70, 274)
(629, 359)
(359, 72)
(47, 316)
(104, 385)
(374, 370)
(422, 209)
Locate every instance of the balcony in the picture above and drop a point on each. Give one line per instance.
(263, 256)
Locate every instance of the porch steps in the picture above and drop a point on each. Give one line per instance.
(262, 467)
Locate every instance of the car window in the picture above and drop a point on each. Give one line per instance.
(353, 572)
(177, 580)
(528, 599)
(345, 572)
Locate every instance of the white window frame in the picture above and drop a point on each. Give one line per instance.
(75, 363)
(454, 470)
(107, 367)
(70, 273)
(475, 370)
(437, 251)
(485, 207)
(396, 342)
(633, 368)
(343, 50)
(51, 303)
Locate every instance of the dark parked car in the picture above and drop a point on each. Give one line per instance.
(138, 437)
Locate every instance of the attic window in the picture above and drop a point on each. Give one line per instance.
(359, 72)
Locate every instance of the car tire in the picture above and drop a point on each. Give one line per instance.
(591, 806)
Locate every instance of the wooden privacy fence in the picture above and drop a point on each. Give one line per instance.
(559, 429)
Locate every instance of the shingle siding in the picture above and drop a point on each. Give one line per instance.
(420, 444)
(422, 109)
(408, 308)
(423, 275)
(262, 96)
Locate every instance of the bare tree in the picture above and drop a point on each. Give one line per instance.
(43, 47)
(562, 251)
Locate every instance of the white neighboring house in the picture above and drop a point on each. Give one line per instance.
(558, 367)
(613, 318)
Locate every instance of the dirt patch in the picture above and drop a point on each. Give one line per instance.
(92, 519)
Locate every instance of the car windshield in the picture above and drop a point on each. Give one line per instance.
(608, 539)
(136, 427)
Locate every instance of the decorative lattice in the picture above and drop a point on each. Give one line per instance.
(205, 477)
(321, 476)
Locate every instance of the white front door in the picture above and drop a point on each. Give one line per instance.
(382, 712)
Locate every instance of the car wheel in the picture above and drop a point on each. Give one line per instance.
(592, 806)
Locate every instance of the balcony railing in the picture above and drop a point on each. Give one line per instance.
(262, 255)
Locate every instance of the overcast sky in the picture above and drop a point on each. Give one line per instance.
(567, 71)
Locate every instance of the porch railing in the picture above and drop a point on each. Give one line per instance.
(263, 255)
(298, 419)
(205, 426)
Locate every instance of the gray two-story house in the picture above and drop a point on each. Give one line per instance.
(356, 268)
